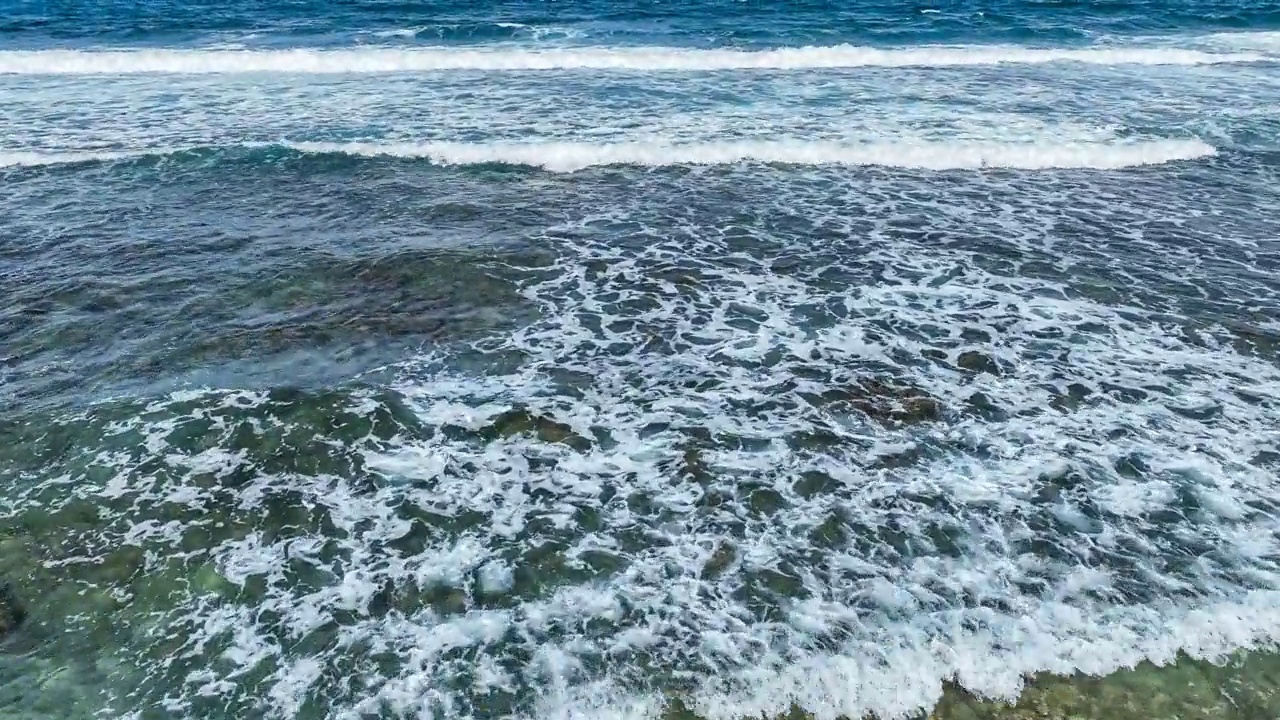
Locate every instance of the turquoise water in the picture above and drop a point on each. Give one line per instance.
(632, 360)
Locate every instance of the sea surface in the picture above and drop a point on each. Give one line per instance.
(633, 359)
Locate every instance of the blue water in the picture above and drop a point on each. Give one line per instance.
(629, 359)
(722, 23)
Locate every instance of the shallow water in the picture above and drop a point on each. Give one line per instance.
(636, 361)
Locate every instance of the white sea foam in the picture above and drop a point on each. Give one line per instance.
(571, 156)
(534, 32)
(388, 60)
(25, 158)
(399, 32)
(1259, 41)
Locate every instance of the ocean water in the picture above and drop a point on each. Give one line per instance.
(639, 359)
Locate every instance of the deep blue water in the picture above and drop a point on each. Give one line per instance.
(700, 23)
(623, 359)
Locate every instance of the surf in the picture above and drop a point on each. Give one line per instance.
(642, 59)
(566, 156)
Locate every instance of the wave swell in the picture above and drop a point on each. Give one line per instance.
(393, 60)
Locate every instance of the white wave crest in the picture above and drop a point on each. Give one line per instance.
(388, 60)
(23, 158)
(571, 156)
(1263, 41)
(558, 156)
(399, 32)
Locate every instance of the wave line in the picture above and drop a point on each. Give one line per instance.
(558, 156)
(391, 60)
(572, 156)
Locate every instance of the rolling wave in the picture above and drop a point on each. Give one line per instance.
(574, 156)
(23, 158)
(392, 60)
(571, 156)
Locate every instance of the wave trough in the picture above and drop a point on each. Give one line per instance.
(388, 60)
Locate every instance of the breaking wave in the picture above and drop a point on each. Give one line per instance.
(573, 156)
(390, 60)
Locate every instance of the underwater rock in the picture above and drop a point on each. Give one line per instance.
(981, 405)
(452, 601)
(1124, 394)
(1249, 339)
(1183, 690)
(896, 404)
(901, 456)
(1242, 689)
(208, 581)
(121, 565)
(891, 403)
(12, 612)
(938, 357)
(719, 560)
(518, 421)
(817, 439)
(1074, 398)
(692, 464)
(1265, 458)
(977, 362)
(766, 501)
(1131, 466)
(677, 275)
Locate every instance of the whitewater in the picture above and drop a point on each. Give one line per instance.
(388, 60)
(570, 157)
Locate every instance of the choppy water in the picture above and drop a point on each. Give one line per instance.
(598, 359)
